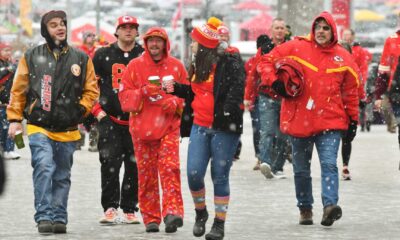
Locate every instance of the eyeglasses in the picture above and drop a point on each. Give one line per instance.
(325, 28)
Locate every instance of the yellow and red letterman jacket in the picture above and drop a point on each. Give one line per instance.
(53, 92)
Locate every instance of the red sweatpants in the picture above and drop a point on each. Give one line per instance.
(159, 158)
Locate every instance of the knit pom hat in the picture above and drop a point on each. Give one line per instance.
(207, 34)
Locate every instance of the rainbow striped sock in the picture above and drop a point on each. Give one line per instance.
(199, 198)
(221, 207)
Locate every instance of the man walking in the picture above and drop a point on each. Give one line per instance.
(115, 142)
(154, 124)
(54, 88)
(326, 76)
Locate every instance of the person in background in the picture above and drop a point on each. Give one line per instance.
(217, 86)
(251, 96)
(7, 71)
(363, 58)
(272, 141)
(383, 83)
(54, 88)
(154, 125)
(315, 112)
(89, 47)
(115, 142)
(224, 37)
(88, 43)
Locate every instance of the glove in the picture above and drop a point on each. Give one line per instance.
(362, 104)
(279, 87)
(169, 106)
(351, 131)
(150, 90)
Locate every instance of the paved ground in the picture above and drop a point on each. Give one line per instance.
(259, 209)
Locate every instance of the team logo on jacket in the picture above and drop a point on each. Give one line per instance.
(76, 70)
(338, 59)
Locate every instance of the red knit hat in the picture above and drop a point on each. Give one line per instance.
(207, 34)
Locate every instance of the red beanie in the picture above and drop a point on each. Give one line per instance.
(207, 34)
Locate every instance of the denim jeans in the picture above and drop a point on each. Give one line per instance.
(5, 142)
(206, 144)
(327, 144)
(269, 110)
(255, 124)
(51, 162)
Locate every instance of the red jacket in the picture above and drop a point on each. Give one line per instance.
(252, 80)
(362, 57)
(387, 66)
(148, 120)
(89, 51)
(330, 95)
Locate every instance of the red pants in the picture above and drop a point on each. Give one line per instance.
(159, 158)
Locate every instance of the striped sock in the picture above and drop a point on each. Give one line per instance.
(221, 207)
(199, 198)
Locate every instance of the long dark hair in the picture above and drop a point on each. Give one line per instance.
(205, 58)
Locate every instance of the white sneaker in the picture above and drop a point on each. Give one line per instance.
(266, 170)
(11, 155)
(130, 218)
(279, 175)
(110, 216)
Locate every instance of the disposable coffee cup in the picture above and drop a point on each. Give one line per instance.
(167, 81)
(154, 80)
(19, 140)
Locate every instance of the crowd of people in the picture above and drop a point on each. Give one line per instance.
(137, 101)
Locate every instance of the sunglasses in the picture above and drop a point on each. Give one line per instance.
(325, 28)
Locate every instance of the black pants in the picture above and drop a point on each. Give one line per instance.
(346, 151)
(115, 146)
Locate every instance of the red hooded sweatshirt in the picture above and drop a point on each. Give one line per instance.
(148, 120)
(330, 96)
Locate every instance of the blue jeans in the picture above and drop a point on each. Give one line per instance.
(5, 142)
(269, 110)
(327, 144)
(255, 124)
(206, 144)
(51, 162)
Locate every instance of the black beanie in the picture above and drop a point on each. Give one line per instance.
(43, 27)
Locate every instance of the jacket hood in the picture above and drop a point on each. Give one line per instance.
(45, 33)
(157, 32)
(329, 19)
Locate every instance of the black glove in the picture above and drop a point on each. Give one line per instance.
(351, 131)
(362, 104)
(279, 87)
(89, 121)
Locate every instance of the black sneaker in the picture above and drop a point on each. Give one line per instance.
(152, 227)
(306, 217)
(217, 230)
(172, 223)
(199, 227)
(331, 214)
(59, 227)
(45, 227)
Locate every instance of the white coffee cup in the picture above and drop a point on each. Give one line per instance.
(168, 83)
